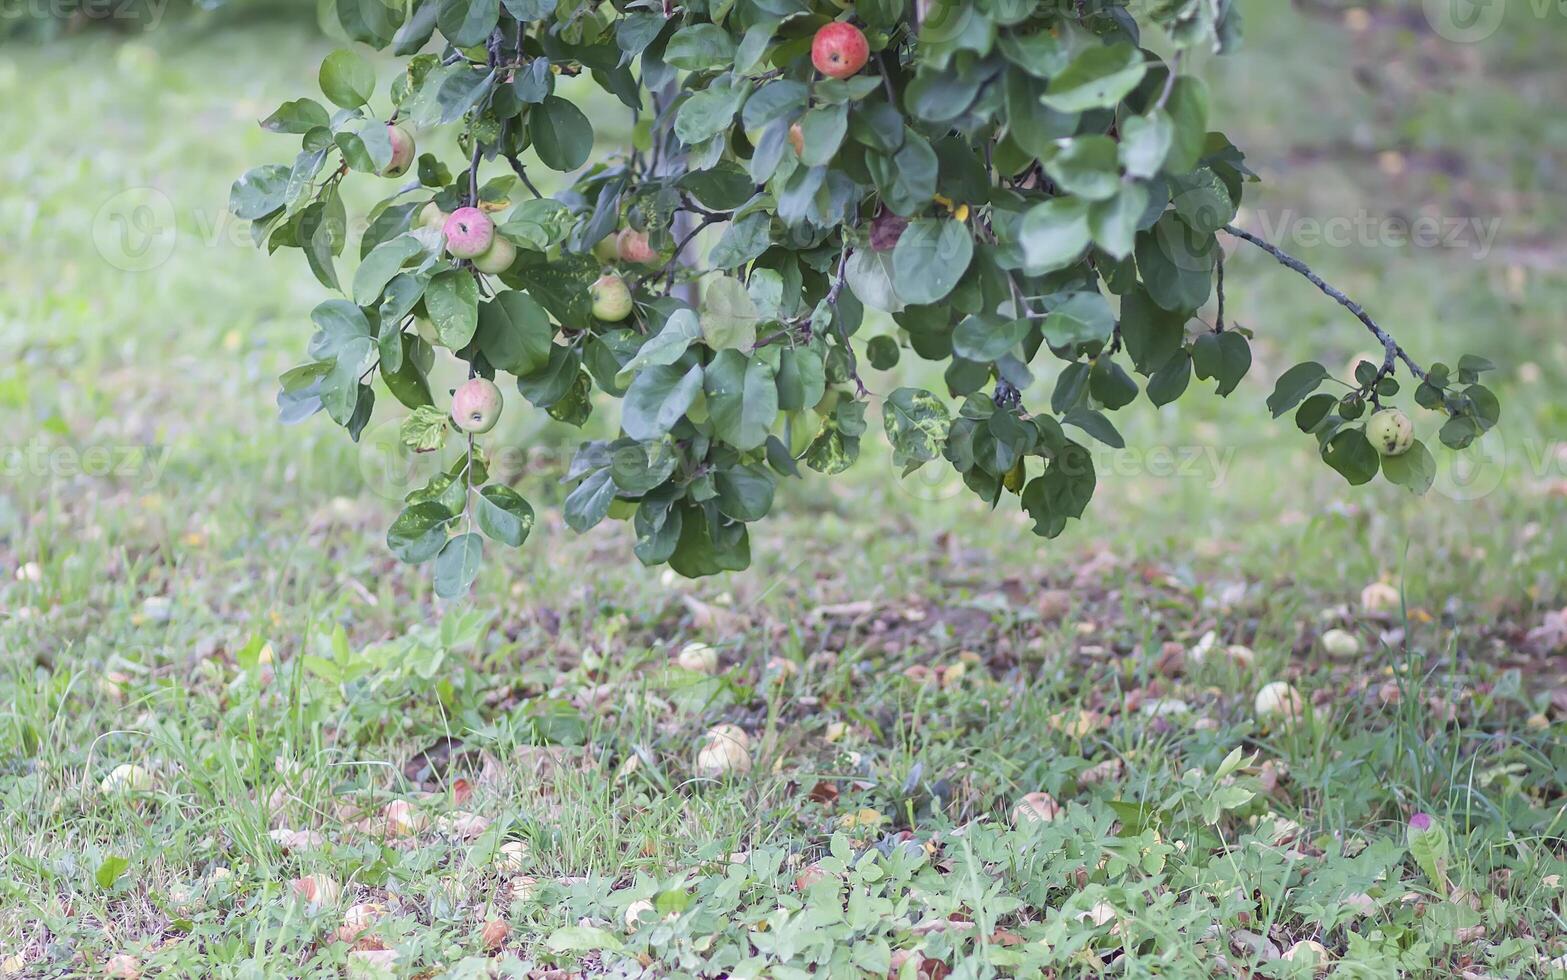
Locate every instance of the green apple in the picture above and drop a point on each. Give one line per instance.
(607, 249)
(433, 217)
(498, 258)
(611, 298)
(1391, 432)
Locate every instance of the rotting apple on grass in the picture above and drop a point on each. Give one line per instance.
(476, 406)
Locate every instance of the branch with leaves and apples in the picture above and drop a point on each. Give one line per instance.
(1021, 185)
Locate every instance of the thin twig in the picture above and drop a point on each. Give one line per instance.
(1394, 351)
(833, 292)
(1173, 69)
(522, 173)
(1218, 323)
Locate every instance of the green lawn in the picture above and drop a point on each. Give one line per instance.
(195, 590)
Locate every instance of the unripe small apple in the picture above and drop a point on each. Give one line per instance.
(607, 249)
(469, 233)
(431, 216)
(497, 258)
(611, 298)
(839, 50)
(476, 406)
(1391, 432)
(403, 150)
(633, 247)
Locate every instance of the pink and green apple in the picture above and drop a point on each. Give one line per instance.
(469, 233)
(476, 406)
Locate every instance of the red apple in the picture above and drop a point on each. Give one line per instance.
(839, 50)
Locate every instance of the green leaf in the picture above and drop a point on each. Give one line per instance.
(378, 268)
(260, 191)
(419, 533)
(504, 515)
(1294, 385)
(458, 565)
(1110, 385)
(709, 112)
(1201, 198)
(917, 423)
(930, 258)
(1170, 381)
(299, 116)
(907, 178)
(1151, 333)
(1352, 455)
(659, 396)
(1145, 143)
(1096, 425)
(1082, 318)
(822, 131)
(467, 22)
(700, 47)
(1086, 166)
(1053, 234)
(562, 135)
(986, 337)
(347, 79)
(742, 241)
(1225, 356)
(110, 870)
(1176, 264)
(742, 398)
(1097, 78)
(514, 332)
(1415, 470)
(729, 316)
(580, 939)
(681, 330)
(1188, 109)
(1313, 411)
(745, 493)
(425, 430)
(588, 504)
(452, 300)
(1113, 223)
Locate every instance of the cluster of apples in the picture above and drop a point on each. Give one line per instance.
(839, 50)
(470, 234)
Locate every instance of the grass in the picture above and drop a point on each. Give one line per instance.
(219, 610)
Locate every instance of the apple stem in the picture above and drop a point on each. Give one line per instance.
(1394, 351)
